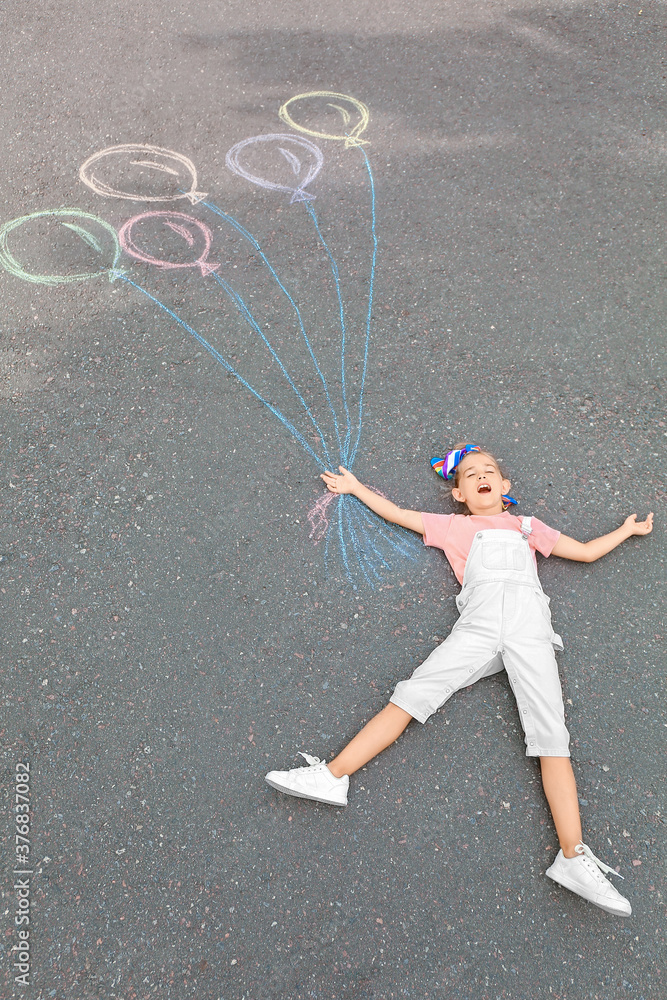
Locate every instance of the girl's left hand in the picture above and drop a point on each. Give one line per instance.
(640, 527)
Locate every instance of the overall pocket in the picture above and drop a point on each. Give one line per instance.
(502, 555)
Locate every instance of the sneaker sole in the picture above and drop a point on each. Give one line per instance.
(573, 887)
(302, 795)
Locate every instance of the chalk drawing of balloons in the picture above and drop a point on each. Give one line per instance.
(141, 173)
(150, 233)
(26, 241)
(289, 158)
(348, 116)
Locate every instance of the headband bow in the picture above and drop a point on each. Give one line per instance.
(445, 466)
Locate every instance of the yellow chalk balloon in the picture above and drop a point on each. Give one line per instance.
(337, 101)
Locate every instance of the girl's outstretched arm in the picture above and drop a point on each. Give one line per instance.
(569, 548)
(346, 482)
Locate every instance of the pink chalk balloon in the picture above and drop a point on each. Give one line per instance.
(191, 230)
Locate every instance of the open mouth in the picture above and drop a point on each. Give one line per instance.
(483, 488)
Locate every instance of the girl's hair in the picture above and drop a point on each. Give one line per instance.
(454, 481)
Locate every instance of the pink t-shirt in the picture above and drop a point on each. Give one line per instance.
(454, 533)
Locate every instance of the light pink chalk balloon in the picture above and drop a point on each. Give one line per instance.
(190, 229)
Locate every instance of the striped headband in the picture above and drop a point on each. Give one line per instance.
(445, 466)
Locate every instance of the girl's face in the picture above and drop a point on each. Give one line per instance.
(480, 484)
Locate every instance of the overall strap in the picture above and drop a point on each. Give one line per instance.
(526, 528)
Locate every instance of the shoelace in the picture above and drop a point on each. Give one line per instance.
(308, 757)
(586, 851)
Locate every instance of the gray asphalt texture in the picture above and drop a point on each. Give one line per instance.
(170, 631)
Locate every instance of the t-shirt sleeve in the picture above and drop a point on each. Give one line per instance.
(543, 537)
(436, 529)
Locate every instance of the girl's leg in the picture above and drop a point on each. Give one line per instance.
(561, 791)
(581, 873)
(382, 730)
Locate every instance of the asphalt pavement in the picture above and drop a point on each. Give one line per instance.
(460, 236)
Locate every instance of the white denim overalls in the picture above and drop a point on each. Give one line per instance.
(504, 621)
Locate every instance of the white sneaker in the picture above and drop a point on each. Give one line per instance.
(583, 875)
(313, 782)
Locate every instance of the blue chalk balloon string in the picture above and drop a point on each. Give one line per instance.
(359, 552)
(398, 539)
(251, 239)
(343, 547)
(344, 526)
(370, 305)
(391, 541)
(341, 312)
(232, 371)
(326, 547)
(366, 549)
(245, 312)
(371, 545)
(357, 508)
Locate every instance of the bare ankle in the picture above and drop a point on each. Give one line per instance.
(336, 769)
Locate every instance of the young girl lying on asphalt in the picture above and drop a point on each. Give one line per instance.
(504, 622)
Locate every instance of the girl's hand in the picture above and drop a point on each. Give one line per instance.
(343, 483)
(641, 527)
